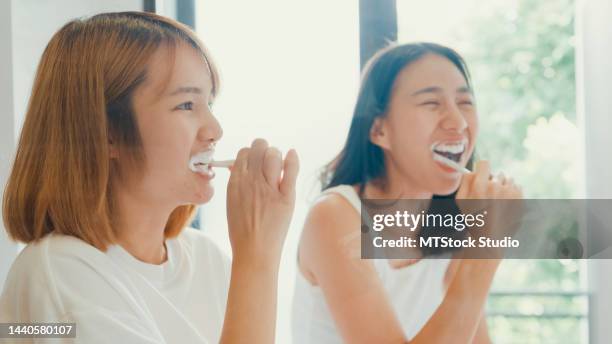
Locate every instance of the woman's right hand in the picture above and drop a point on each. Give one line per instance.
(481, 185)
(260, 201)
(498, 196)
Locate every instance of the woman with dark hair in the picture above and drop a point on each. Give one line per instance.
(414, 99)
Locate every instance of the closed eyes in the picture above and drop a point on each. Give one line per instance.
(187, 106)
(466, 102)
(433, 103)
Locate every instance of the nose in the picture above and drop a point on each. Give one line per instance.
(454, 119)
(210, 130)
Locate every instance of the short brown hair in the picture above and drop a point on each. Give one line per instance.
(82, 96)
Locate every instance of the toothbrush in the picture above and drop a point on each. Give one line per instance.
(222, 163)
(450, 163)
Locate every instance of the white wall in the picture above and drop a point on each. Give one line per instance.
(35, 22)
(8, 249)
(594, 72)
(290, 74)
(25, 28)
(595, 98)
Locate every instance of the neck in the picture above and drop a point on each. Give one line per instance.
(140, 226)
(395, 186)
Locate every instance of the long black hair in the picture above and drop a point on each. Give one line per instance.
(361, 161)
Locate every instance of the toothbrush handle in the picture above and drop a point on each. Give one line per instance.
(222, 163)
(451, 163)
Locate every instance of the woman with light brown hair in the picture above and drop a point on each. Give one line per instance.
(115, 152)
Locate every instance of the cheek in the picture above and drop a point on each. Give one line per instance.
(410, 140)
(472, 121)
(414, 131)
(166, 144)
(473, 127)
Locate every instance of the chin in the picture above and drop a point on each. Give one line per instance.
(203, 196)
(446, 187)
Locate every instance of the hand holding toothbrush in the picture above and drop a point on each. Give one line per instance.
(497, 195)
(260, 201)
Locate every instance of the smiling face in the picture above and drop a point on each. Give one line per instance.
(431, 108)
(172, 109)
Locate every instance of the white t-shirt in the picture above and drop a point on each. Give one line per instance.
(115, 298)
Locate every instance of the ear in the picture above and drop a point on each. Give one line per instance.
(113, 150)
(379, 133)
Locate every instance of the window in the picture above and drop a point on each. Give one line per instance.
(290, 74)
(521, 55)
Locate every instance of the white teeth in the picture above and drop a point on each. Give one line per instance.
(449, 147)
(200, 161)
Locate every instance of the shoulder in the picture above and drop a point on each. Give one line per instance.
(28, 277)
(52, 246)
(45, 272)
(331, 214)
(331, 230)
(43, 257)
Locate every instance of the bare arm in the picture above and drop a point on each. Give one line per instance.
(474, 274)
(329, 249)
(260, 201)
(351, 285)
(459, 315)
(250, 316)
(482, 333)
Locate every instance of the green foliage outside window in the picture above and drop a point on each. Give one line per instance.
(523, 68)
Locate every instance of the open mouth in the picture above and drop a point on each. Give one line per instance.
(201, 161)
(450, 150)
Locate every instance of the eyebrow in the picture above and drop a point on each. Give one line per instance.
(187, 89)
(436, 89)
